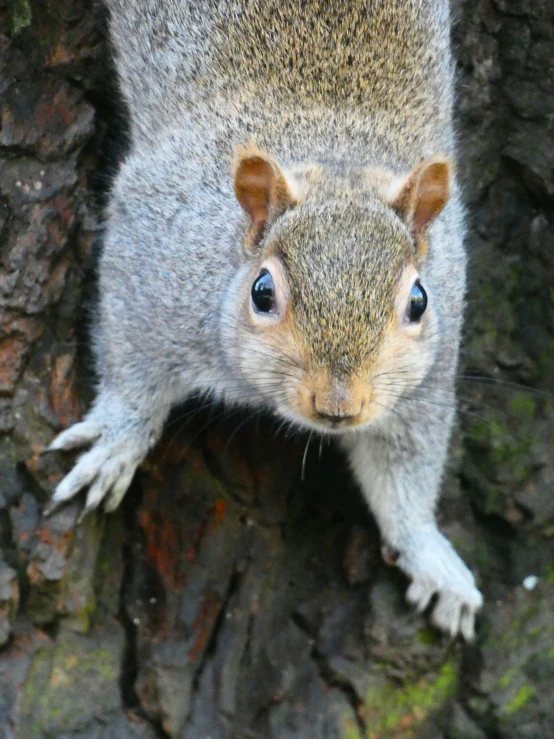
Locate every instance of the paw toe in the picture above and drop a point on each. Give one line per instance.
(72, 483)
(419, 594)
(119, 489)
(84, 472)
(77, 436)
(101, 486)
(447, 613)
(455, 612)
(467, 624)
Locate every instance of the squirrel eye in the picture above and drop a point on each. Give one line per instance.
(263, 293)
(418, 302)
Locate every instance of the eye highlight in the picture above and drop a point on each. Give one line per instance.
(263, 293)
(417, 303)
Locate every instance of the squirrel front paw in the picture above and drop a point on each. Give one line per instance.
(108, 468)
(435, 568)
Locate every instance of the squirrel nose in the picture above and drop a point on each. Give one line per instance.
(335, 410)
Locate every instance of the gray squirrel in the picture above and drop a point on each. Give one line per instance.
(286, 233)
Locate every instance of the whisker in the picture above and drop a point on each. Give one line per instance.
(427, 401)
(507, 383)
(305, 456)
(240, 425)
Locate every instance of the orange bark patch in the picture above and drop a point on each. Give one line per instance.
(204, 623)
(60, 542)
(406, 722)
(192, 552)
(59, 55)
(171, 541)
(220, 511)
(163, 547)
(54, 112)
(65, 402)
(12, 355)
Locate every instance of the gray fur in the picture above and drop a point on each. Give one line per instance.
(332, 90)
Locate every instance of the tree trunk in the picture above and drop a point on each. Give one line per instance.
(240, 591)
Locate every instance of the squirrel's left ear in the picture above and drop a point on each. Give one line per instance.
(262, 190)
(420, 197)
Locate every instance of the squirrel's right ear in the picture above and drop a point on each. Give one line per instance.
(421, 196)
(262, 190)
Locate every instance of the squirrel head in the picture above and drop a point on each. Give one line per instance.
(330, 317)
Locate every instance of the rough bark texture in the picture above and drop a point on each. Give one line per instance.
(240, 592)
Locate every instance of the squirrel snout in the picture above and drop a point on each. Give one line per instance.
(337, 407)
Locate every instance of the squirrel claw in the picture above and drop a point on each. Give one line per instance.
(456, 607)
(107, 471)
(467, 625)
(84, 513)
(119, 489)
(51, 508)
(436, 569)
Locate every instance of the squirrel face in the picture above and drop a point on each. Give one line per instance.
(333, 322)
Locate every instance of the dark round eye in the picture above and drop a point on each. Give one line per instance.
(418, 302)
(263, 293)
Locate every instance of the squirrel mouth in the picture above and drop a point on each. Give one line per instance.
(337, 421)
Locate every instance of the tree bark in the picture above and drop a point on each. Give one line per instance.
(239, 592)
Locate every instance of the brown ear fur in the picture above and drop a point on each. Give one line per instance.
(423, 195)
(261, 189)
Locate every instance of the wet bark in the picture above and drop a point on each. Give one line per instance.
(240, 591)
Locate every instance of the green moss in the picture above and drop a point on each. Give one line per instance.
(508, 677)
(351, 730)
(64, 682)
(31, 694)
(20, 15)
(42, 605)
(428, 636)
(478, 705)
(522, 698)
(388, 706)
(523, 405)
(490, 330)
(494, 500)
(81, 618)
(499, 447)
(481, 555)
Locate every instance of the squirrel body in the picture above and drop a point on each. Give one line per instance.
(286, 232)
